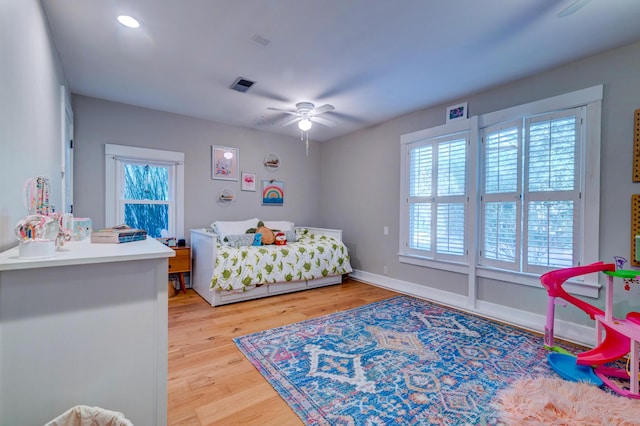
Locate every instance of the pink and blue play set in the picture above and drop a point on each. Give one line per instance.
(615, 337)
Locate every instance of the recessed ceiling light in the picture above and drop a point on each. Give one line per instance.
(128, 21)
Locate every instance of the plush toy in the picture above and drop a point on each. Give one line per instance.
(254, 230)
(257, 240)
(281, 239)
(267, 235)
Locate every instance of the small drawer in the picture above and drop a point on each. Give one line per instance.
(181, 262)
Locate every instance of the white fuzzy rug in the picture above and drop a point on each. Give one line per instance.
(556, 402)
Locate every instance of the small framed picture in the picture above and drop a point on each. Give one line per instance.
(272, 192)
(224, 163)
(457, 112)
(248, 181)
(271, 162)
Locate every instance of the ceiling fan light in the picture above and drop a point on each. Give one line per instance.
(304, 124)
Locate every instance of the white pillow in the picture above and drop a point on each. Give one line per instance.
(280, 225)
(233, 227)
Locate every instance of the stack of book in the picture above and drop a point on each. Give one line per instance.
(118, 234)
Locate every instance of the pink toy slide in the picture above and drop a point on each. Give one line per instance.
(614, 346)
(553, 281)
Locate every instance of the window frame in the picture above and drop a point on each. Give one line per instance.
(116, 155)
(573, 195)
(462, 128)
(523, 196)
(588, 243)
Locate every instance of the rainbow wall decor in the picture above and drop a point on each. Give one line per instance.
(272, 192)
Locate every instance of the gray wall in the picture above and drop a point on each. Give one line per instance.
(365, 177)
(30, 110)
(350, 183)
(98, 122)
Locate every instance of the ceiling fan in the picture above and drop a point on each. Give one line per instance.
(306, 114)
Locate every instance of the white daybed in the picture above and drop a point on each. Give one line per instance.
(205, 247)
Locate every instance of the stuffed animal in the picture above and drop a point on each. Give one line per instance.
(257, 240)
(281, 239)
(254, 230)
(267, 235)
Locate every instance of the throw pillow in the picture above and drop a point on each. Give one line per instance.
(278, 225)
(239, 240)
(235, 227)
(291, 235)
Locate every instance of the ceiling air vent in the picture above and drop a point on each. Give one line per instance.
(242, 85)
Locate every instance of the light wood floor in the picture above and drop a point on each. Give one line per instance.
(211, 381)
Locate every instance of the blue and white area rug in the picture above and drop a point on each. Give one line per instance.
(399, 361)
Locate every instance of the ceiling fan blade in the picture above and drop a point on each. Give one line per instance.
(322, 108)
(282, 110)
(290, 121)
(323, 121)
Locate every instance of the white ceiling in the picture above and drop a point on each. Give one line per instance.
(372, 59)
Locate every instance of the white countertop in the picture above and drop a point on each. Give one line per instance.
(84, 252)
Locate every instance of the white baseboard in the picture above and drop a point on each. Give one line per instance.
(535, 322)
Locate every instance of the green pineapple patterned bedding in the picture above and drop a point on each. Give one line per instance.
(312, 256)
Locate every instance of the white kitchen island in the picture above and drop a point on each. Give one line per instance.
(85, 327)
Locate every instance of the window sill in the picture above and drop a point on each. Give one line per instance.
(580, 288)
(461, 268)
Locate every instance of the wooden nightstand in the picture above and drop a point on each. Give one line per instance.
(180, 264)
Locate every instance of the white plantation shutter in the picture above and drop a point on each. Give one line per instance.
(552, 154)
(421, 171)
(501, 206)
(437, 196)
(552, 191)
(450, 228)
(501, 231)
(420, 226)
(452, 174)
(542, 152)
(501, 162)
(550, 236)
(452, 167)
(420, 190)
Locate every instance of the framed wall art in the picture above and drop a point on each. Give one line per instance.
(272, 192)
(226, 197)
(224, 163)
(457, 112)
(248, 181)
(271, 162)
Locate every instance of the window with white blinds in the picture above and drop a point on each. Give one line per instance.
(500, 201)
(437, 177)
(530, 191)
(505, 195)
